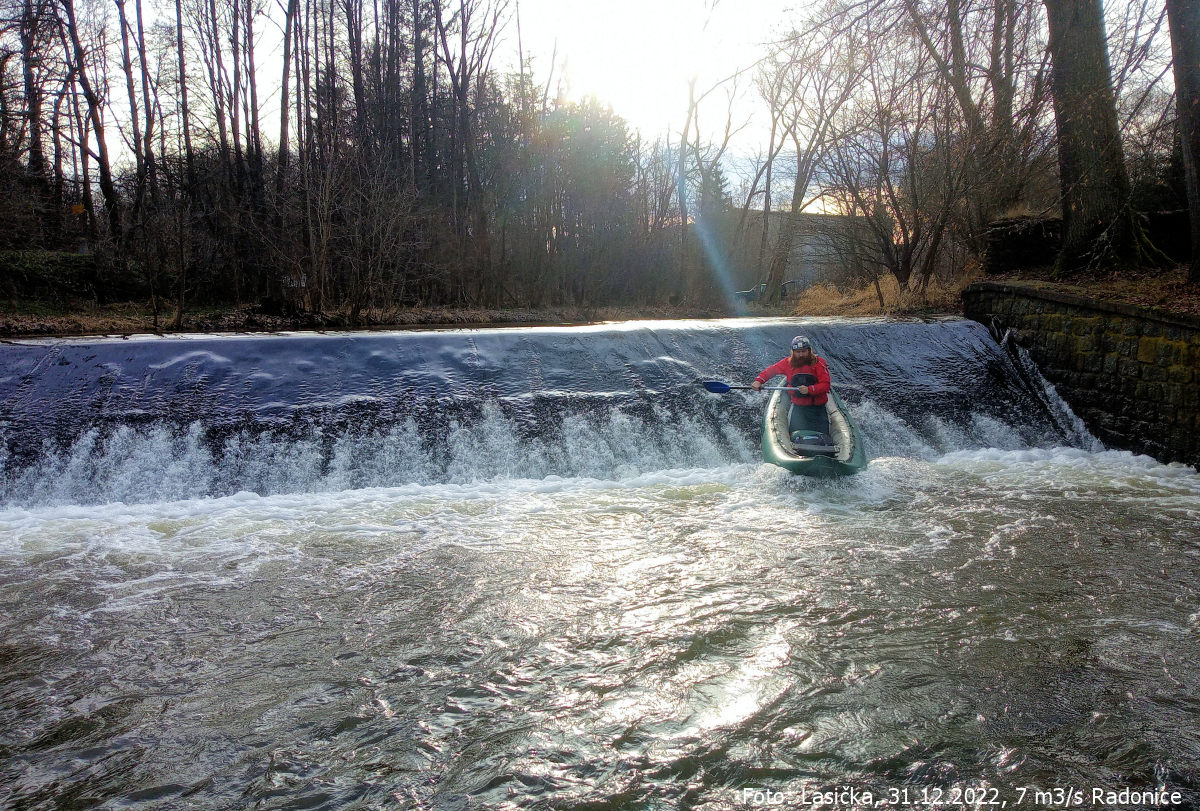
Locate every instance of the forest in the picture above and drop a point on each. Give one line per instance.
(402, 167)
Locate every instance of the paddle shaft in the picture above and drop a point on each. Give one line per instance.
(717, 387)
(766, 388)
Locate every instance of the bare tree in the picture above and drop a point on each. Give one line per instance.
(77, 61)
(898, 161)
(711, 197)
(285, 106)
(137, 144)
(771, 87)
(468, 62)
(816, 82)
(990, 56)
(33, 35)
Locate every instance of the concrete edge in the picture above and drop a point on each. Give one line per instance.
(1040, 291)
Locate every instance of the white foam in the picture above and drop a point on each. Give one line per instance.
(157, 463)
(1065, 469)
(886, 434)
(1075, 428)
(289, 506)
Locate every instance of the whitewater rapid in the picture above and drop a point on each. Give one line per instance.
(578, 585)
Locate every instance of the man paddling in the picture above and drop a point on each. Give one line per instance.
(808, 376)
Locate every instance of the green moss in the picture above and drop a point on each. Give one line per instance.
(1180, 373)
(1170, 352)
(1147, 350)
(1129, 369)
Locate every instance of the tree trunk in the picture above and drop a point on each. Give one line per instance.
(184, 109)
(30, 26)
(254, 134)
(127, 68)
(216, 77)
(79, 132)
(285, 101)
(108, 189)
(788, 227)
(1098, 225)
(354, 42)
(766, 218)
(149, 101)
(190, 170)
(235, 93)
(418, 116)
(1184, 20)
(681, 191)
(54, 213)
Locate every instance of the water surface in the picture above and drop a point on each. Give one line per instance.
(611, 612)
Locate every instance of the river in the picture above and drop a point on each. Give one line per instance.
(542, 568)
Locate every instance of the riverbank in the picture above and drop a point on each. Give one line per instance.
(1167, 291)
(1162, 290)
(36, 320)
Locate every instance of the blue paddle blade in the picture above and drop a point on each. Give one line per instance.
(717, 387)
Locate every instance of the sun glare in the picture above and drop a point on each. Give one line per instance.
(638, 56)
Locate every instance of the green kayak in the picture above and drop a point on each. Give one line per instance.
(838, 454)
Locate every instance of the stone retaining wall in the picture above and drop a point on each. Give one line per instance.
(1131, 373)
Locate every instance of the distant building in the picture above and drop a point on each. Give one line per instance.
(828, 249)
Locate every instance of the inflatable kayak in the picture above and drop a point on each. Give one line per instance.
(838, 453)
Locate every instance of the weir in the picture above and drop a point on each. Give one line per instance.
(544, 568)
(154, 418)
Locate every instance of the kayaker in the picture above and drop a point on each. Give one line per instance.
(808, 376)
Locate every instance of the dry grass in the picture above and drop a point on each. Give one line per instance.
(938, 297)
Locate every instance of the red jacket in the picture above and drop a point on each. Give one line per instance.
(818, 393)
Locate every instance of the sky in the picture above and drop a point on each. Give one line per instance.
(638, 55)
(634, 55)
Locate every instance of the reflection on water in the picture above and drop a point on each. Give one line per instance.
(981, 619)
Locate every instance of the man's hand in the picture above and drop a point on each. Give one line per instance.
(756, 385)
(803, 389)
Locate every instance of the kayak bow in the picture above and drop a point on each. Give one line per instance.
(845, 458)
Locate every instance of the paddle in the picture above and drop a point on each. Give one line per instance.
(717, 387)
